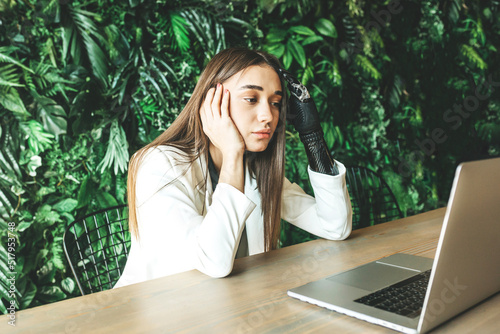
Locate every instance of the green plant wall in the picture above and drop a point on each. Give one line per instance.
(406, 88)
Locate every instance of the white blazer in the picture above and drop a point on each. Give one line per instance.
(185, 225)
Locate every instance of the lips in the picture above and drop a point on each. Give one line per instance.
(265, 133)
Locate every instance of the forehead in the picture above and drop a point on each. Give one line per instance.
(263, 76)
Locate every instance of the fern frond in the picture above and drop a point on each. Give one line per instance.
(83, 39)
(117, 151)
(473, 57)
(453, 9)
(10, 76)
(5, 58)
(180, 35)
(208, 32)
(367, 67)
(9, 83)
(38, 139)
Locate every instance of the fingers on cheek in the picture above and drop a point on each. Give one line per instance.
(225, 100)
(209, 98)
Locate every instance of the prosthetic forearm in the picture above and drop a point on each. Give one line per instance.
(317, 153)
(304, 116)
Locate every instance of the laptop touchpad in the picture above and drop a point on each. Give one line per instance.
(372, 276)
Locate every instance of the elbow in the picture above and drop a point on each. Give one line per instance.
(219, 271)
(343, 224)
(216, 268)
(347, 217)
(347, 224)
(220, 274)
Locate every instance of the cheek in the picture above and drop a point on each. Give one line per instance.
(276, 118)
(240, 116)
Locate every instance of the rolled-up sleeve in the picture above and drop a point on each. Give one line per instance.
(328, 214)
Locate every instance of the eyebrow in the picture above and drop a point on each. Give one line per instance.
(259, 88)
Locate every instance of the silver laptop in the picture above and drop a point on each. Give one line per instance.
(414, 294)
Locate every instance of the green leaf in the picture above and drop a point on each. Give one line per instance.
(4, 294)
(33, 164)
(278, 50)
(23, 226)
(297, 51)
(134, 3)
(326, 28)
(50, 294)
(287, 58)
(9, 84)
(45, 214)
(38, 139)
(310, 40)
(11, 101)
(117, 151)
(106, 200)
(82, 39)
(275, 35)
(4, 58)
(180, 33)
(208, 31)
(46, 273)
(367, 67)
(68, 284)
(85, 192)
(473, 57)
(329, 134)
(28, 295)
(66, 205)
(53, 115)
(302, 30)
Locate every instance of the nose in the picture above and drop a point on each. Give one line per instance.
(265, 114)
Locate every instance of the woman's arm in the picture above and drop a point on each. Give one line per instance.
(329, 213)
(180, 228)
(227, 145)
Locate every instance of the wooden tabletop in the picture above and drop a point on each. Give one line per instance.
(253, 298)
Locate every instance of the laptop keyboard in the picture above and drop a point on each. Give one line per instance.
(405, 298)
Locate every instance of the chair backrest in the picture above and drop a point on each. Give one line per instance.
(372, 200)
(97, 247)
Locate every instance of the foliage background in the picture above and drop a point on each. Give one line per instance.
(83, 84)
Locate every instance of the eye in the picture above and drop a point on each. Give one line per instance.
(276, 104)
(250, 99)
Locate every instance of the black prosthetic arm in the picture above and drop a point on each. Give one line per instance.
(305, 118)
(317, 153)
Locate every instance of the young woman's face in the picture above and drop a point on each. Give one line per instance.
(254, 105)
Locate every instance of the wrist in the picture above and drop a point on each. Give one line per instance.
(232, 170)
(233, 157)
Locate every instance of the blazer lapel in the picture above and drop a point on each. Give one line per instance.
(204, 188)
(254, 224)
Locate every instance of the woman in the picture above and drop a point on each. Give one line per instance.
(212, 188)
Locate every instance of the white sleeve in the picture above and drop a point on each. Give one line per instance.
(173, 229)
(328, 214)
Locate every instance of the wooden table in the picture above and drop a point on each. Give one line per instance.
(253, 298)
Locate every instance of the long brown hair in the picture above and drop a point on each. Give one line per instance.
(186, 134)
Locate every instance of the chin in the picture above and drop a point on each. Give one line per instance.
(256, 148)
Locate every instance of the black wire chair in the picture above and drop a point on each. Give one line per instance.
(97, 248)
(372, 200)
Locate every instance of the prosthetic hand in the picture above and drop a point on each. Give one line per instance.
(305, 118)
